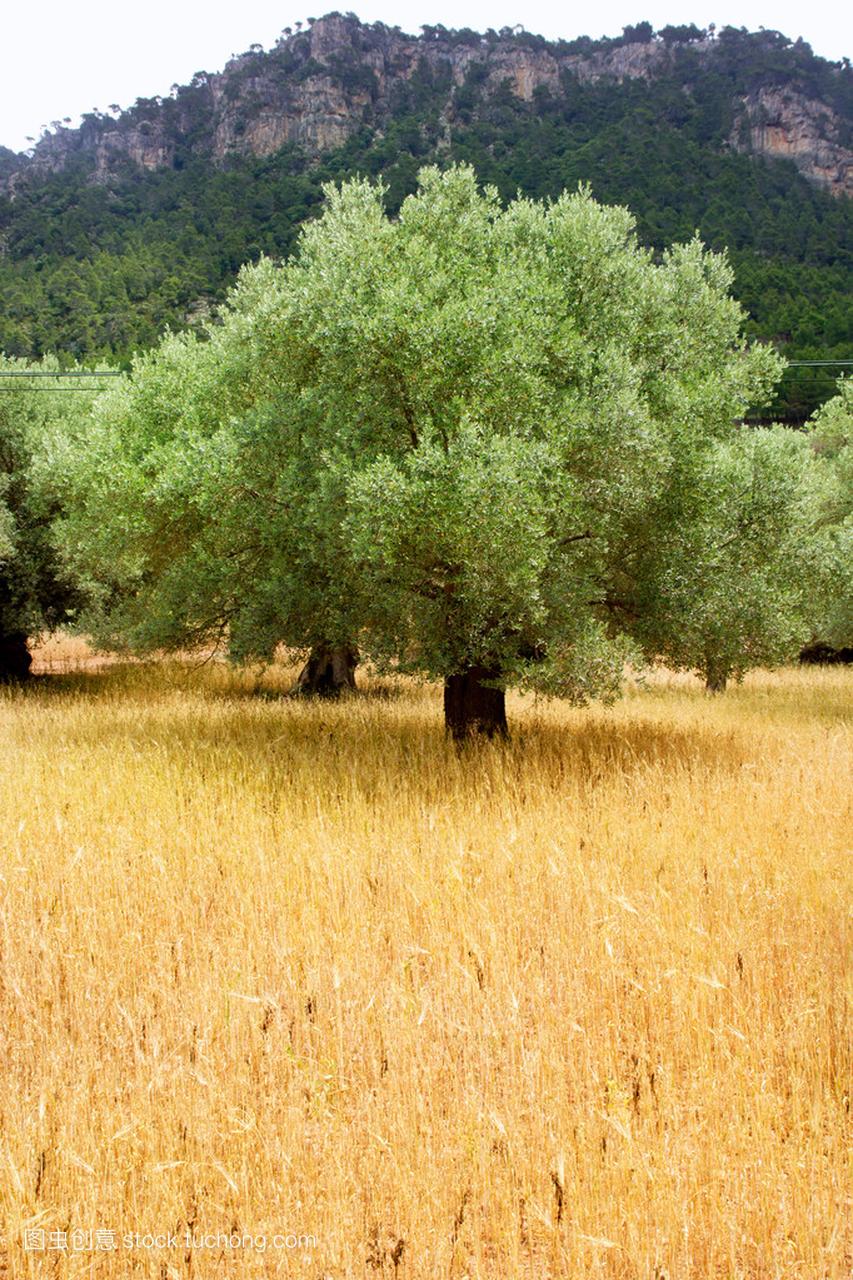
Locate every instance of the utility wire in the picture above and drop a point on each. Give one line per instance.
(71, 373)
(52, 373)
(51, 391)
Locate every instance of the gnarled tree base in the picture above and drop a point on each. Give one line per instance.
(15, 657)
(329, 671)
(472, 708)
(716, 681)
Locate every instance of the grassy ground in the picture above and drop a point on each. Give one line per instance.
(575, 1007)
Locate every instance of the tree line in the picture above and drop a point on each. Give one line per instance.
(494, 444)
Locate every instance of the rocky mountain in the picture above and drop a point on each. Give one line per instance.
(318, 87)
(140, 218)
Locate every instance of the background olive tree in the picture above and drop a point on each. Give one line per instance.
(747, 570)
(190, 501)
(831, 633)
(37, 590)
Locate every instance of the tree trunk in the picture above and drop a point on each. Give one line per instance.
(472, 708)
(716, 680)
(15, 657)
(329, 671)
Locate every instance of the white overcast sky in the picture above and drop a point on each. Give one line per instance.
(61, 59)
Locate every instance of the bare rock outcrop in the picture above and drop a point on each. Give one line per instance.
(145, 146)
(319, 86)
(627, 62)
(782, 123)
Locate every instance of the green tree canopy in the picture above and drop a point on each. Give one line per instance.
(451, 436)
(747, 570)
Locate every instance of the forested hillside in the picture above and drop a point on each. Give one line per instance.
(139, 220)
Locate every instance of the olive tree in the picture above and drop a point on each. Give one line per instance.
(515, 402)
(745, 571)
(451, 436)
(37, 592)
(189, 501)
(146, 492)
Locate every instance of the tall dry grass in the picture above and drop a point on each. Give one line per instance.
(572, 1007)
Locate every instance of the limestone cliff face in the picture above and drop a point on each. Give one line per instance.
(782, 123)
(319, 116)
(343, 74)
(143, 145)
(627, 62)
(319, 86)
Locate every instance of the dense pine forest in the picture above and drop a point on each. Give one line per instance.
(96, 262)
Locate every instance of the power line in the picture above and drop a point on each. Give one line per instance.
(51, 391)
(52, 373)
(71, 373)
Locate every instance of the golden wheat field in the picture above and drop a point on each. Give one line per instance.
(301, 990)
